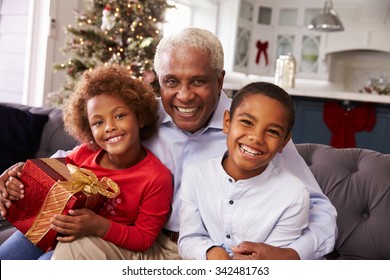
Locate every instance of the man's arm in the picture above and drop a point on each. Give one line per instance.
(319, 238)
(10, 187)
(260, 251)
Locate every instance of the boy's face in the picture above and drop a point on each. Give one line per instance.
(115, 128)
(257, 131)
(190, 88)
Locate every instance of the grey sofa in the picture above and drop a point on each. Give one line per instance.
(51, 139)
(356, 181)
(53, 136)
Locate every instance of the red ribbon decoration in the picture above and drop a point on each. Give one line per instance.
(262, 48)
(343, 123)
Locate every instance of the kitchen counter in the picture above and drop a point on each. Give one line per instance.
(330, 94)
(305, 88)
(340, 95)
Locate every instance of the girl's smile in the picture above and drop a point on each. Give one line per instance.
(115, 129)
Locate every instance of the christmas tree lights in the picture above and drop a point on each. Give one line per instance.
(120, 32)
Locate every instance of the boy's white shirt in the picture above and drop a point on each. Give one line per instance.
(272, 208)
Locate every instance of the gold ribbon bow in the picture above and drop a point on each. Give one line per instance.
(59, 194)
(85, 180)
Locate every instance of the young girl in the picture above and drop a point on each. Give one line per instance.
(244, 195)
(111, 112)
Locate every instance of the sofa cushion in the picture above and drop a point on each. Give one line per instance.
(53, 137)
(357, 182)
(20, 135)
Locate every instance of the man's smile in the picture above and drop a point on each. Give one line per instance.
(187, 110)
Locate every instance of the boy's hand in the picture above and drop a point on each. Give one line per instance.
(217, 253)
(79, 222)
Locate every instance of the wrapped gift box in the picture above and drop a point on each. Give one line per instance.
(49, 189)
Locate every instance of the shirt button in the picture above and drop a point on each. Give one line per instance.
(228, 236)
(230, 180)
(231, 202)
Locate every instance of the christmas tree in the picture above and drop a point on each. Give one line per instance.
(125, 32)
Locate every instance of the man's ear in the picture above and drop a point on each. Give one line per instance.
(226, 121)
(221, 77)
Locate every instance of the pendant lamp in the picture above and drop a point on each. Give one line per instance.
(327, 21)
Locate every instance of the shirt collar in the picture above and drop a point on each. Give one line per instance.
(216, 119)
(253, 181)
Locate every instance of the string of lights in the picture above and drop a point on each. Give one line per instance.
(124, 32)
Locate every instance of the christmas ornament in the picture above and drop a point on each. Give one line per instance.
(262, 47)
(108, 20)
(126, 34)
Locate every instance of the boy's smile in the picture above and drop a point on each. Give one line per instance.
(250, 151)
(255, 134)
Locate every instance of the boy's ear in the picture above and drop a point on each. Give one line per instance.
(226, 121)
(286, 139)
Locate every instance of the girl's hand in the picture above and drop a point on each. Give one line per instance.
(79, 222)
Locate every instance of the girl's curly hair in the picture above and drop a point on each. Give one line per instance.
(116, 81)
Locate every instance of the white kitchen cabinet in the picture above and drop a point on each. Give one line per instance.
(292, 36)
(255, 33)
(367, 26)
(261, 59)
(245, 28)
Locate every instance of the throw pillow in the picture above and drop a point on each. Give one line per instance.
(20, 135)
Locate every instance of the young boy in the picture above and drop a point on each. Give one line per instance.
(243, 195)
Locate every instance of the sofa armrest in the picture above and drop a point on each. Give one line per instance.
(357, 182)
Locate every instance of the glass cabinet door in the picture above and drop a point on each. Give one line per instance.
(265, 15)
(242, 48)
(309, 54)
(288, 17)
(285, 44)
(246, 10)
